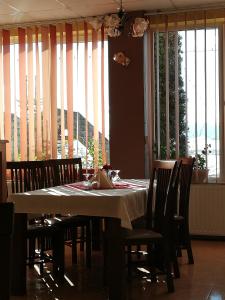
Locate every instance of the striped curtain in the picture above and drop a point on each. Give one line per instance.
(186, 75)
(54, 92)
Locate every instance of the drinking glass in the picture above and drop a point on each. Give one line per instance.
(115, 175)
(87, 183)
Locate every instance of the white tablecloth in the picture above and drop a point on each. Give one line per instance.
(125, 204)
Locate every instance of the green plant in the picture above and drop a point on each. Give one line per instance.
(162, 154)
(161, 98)
(91, 152)
(200, 162)
(89, 160)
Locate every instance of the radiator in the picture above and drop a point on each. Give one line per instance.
(207, 209)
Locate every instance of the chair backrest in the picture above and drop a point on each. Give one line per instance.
(26, 175)
(32, 175)
(66, 170)
(162, 193)
(185, 183)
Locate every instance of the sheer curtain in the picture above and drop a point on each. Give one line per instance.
(54, 92)
(186, 75)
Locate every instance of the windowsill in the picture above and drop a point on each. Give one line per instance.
(208, 183)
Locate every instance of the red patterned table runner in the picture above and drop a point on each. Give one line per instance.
(117, 185)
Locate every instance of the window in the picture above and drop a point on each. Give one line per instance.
(54, 101)
(187, 96)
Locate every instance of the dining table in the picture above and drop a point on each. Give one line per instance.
(119, 206)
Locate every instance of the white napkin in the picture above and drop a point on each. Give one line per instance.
(102, 179)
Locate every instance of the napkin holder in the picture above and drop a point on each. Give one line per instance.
(103, 181)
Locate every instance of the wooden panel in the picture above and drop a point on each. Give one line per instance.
(126, 106)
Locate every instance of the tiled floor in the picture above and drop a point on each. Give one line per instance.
(203, 280)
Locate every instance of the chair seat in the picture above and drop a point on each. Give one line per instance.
(72, 220)
(43, 237)
(46, 227)
(77, 230)
(140, 223)
(178, 219)
(40, 229)
(140, 236)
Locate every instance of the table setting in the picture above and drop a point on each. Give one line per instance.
(119, 201)
(105, 178)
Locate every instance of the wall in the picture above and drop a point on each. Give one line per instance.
(126, 105)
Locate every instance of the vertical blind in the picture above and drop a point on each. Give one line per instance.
(187, 96)
(54, 91)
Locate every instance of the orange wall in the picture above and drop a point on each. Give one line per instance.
(126, 107)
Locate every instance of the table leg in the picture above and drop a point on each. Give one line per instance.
(96, 233)
(58, 254)
(115, 260)
(5, 272)
(19, 255)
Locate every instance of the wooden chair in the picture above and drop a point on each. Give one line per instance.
(6, 230)
(182, 219)
(77, 228)
(65, 170)
(158, 235)
(28, 176)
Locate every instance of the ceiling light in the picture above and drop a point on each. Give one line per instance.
(114, 23)
(139, 27)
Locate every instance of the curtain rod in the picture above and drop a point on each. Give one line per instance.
(185, 10)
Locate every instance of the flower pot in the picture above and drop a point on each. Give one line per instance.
(200, 176)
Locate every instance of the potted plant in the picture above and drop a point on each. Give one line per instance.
(200, 172)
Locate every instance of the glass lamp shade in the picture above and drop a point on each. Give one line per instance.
(140, 25)
(95, 22)
(112, 25)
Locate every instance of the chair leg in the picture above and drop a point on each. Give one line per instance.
(31, 258)
(151, 262)
(42, 249)
(169, 277)
(88, 245)
(105, 253)
(82, 238)
(58, 254)
(179, 252)
(96, 233)
(189, 253)
(129, 261)
(188, 245)
(176, 269)
(138, 251)
(169, 280)
(74, 245)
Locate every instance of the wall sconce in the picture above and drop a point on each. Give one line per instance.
(121, 59)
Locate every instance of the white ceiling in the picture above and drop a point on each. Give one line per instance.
(23, 11)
